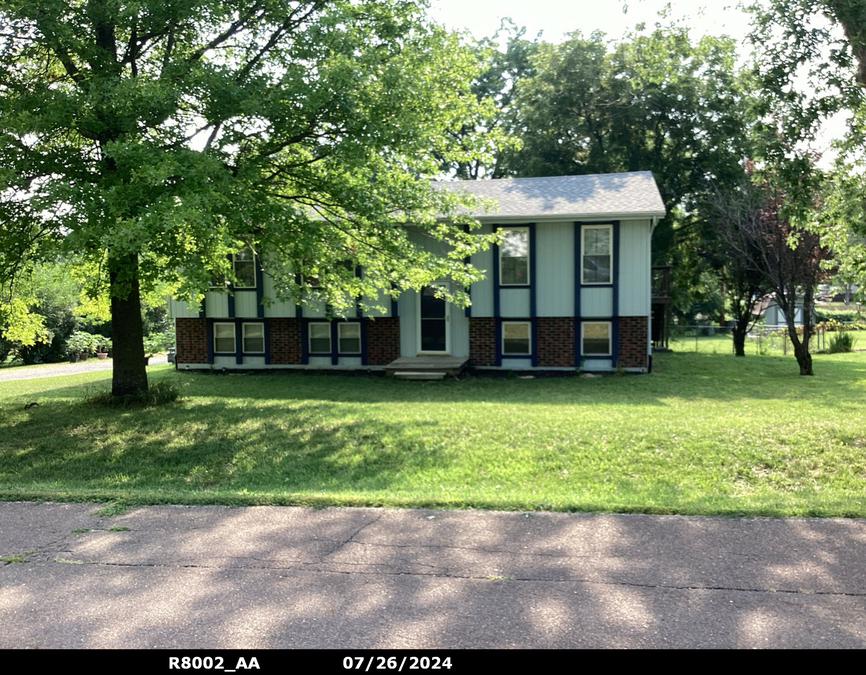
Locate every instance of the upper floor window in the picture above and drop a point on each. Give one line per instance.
(244, 262)
(514, 257)
(596, 254)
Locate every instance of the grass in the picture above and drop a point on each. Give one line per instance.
(771, 345)
(704, 434)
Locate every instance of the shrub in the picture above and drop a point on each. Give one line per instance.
(841, 342)
(158, 394)
(82, 343)
(841, 315)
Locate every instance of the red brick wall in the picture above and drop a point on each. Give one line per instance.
(285, 340)
(555, 346)
(482, 341)
(633, 336)
(191, 340)
(383, 340)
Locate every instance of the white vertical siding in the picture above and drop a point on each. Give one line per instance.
(407, 311)
(459, 327)
(514, 302)
(482, 291)
(245, 304)
(596, 302)
(554, 273)
(216, 305)
(382, 299)
(315, 310)
(635, 282)
(276, 308)
(180, 309)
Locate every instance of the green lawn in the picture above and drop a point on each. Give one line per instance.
(704, 434)
(776, 344)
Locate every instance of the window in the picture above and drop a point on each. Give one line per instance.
(597, 248)
(514, 258)
(254, 338)
(595, 338)
(349, 338)
(224, 338)
(515, 338)
(245, 268)
(320, 338)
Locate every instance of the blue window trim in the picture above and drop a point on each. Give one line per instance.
(614, 329)
(209, 337)
(533, 313)
(239, 346)
(335, 352)
(467, 311)
(614, 258)
(531, 286)
(497, 252)
(260, 289)
(497, 322)
(577, 288)
(600, 357)
(239, 352)
(533, 351)
(231, 289)
(613, 285)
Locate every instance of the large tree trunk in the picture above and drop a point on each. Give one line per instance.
(740, 330)
(129, 375)
(804, 358)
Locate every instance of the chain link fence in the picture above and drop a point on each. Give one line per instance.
(763, 339)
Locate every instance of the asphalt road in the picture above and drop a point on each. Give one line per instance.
(55, 369)
(271, 577)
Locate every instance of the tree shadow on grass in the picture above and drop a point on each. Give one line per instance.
(217, 447)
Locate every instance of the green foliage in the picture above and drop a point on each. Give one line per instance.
(837, 315)
(841, 342)
(154, 140)
(158, 342)
(82, 343)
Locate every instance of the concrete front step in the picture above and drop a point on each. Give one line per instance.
(440, 365)
(418, 375)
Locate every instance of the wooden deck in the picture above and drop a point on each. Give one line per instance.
(426, 367)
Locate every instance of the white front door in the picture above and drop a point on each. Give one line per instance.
(434, 322)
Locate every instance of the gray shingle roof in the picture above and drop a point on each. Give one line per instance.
(611, 195)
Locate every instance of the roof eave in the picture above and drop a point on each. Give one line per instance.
(560, 217)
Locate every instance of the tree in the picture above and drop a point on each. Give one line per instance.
(156, 138)
(496, 86)
(803, 38)
(654, 101)
(733, 256)
(789, 256)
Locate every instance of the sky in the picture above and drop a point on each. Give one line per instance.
(555, 18)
